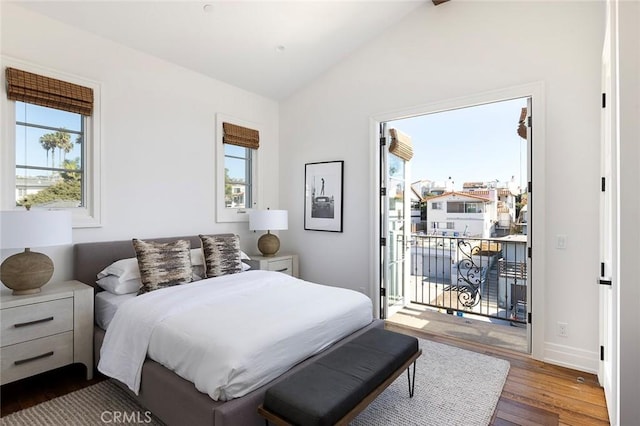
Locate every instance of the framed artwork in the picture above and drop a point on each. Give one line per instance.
(323, 188)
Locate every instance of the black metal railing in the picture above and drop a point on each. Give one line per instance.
(483, 276)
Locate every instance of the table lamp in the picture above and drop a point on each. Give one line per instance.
(268, 220)
(26, 272)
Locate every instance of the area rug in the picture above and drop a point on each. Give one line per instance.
(453, 387)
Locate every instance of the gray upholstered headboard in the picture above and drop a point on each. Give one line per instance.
(91, 258)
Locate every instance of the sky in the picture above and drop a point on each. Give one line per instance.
(474, 144)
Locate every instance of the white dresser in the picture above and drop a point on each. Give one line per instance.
(286, 263)
(47, 330)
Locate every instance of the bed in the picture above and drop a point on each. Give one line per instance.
(170, 397)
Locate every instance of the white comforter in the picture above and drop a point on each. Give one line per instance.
(230, 335)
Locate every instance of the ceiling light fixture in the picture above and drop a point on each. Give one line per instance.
(208, 8)
(280, 48)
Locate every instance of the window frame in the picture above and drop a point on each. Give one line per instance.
(234, 214)
(88, 216)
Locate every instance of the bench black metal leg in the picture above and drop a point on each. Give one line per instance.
(412, 383)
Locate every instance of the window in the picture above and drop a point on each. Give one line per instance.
(52, 129)
(49, 157)
(237, 176)
(464, 207)
(473, 207)
(451, 225)
(436, 205)
(237, 144)
(455, 207)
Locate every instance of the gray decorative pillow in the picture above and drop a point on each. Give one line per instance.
(221, 254)
(163, 264)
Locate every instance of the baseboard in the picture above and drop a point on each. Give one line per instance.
(570, 357)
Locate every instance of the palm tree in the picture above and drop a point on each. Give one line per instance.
(59, 140)
(47, 143)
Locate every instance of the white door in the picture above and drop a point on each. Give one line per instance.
(395, 227)
(608, 226)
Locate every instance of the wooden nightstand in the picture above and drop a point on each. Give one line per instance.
(47, 330)
(285, 263)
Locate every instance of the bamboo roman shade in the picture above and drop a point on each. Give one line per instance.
(401, 145)
(522, 129)
(240, 136)
(48, 92)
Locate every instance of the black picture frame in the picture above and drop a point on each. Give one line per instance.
(323, 196)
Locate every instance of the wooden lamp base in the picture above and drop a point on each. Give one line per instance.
(269, 244)
(26, 272)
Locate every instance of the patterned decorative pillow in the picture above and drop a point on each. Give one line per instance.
(221, 254)
(163, 264)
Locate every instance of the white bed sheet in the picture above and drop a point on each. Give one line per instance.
(106, 304)
(230, 335)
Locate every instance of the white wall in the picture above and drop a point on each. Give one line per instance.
(440, 53)
(158, 133)
(629, 214)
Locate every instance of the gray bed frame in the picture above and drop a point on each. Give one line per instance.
(168, 396)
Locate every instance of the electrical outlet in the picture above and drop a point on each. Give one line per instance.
(563, 329)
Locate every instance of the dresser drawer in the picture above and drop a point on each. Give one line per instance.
(36, 356)
(28, 322)
(285, 266)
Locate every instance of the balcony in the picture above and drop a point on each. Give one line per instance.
(479, 276)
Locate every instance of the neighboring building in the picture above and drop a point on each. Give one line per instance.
(31, 185)
(504, 195)
(460, 214)
(237, 196)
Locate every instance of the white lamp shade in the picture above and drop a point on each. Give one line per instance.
(34, 228)
(268, 220)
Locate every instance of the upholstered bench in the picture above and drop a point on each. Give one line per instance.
(338, 386)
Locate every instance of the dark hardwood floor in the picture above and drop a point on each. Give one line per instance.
(535, 393)
(43, 387)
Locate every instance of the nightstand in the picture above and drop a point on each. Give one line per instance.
(46, 330)
(285, 263)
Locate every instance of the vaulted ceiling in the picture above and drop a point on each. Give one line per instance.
(272, 48)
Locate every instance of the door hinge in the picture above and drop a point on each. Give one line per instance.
(383, 141)
(603, 182)
(529, 121)
(383, 192)
(529, 252)
(529, 317)
(383, 241)
(601, 353)
(383, 291)
(529, 186)
(604, 100)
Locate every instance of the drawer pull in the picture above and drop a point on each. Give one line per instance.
(24, 324)
(33, 358)
(282, 270)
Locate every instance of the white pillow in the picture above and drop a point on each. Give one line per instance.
(115, 285)
(197, 258)
(125, 269)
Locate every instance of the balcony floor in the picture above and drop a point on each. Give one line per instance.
(469, 328)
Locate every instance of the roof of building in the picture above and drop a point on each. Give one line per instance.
(460, 194)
